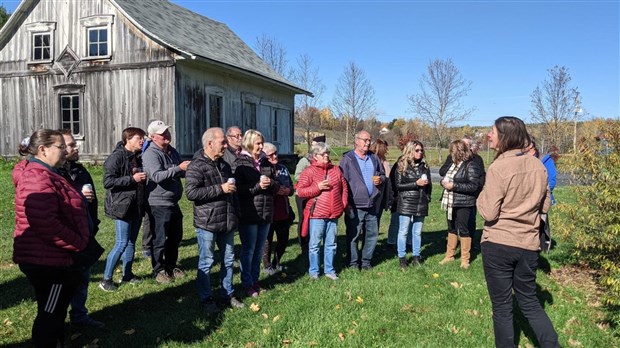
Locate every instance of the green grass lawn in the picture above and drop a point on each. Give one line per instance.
(427, 306)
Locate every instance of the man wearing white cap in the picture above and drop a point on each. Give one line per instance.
(164, 169)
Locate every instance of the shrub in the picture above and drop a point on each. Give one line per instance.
(593, 226)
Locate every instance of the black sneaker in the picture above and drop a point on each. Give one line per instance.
(402, 261)
(107, 285)
(209, 307)
(416, 261)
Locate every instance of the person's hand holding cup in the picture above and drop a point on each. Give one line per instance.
(138, 174)
(264, 182)
(376, 180)
(422, 181)
(87, 191)
(229, 186)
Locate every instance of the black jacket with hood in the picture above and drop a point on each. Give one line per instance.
(124, 198)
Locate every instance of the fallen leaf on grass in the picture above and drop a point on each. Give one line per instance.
(454, 329)
(406, 308)
(456, 285)
(472, 312)
(355, 323)
(265, 316)
(337, 307)
(286, 342)
(250, 345)
(573, 322)
(276, 318)
(603, 326)
(574, 343)
(435, 275)
(254, 307)
(312, 343)
(283, 275)
(341, 336)
(351, 331)
(359, 299)
(266, 331)
(349, 295)
(75, 336)
(380, 274)
(7, 322)
(130, 332)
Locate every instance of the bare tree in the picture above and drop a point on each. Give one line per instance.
(273, 53)
(307, 114)
(354, 98)
(439, 102)
(554, 104)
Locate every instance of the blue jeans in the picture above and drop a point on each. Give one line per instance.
(322, 230)
(362, 227)
(206, 257)
(253, 239)
(506, 269)
(410, 225)
(126, 235)
(79, 312)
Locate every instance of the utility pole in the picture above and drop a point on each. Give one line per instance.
(577, 111)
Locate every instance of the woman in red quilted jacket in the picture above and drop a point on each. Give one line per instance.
(51, 223)
(323, 185)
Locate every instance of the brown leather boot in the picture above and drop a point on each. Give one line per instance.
(450, 249)
(465, 251)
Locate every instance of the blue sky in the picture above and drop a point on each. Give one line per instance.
(503, 47)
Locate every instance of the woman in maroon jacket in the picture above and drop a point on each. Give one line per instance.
(51, 223)
(326, 190)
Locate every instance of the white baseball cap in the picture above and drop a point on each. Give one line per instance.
(157, 127)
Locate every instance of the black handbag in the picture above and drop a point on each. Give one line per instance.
(87, 257)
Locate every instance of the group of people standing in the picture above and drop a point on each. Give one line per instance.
(236, 183)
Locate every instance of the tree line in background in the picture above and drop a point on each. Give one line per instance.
(438, 105)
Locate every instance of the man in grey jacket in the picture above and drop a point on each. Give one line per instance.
(164, 169)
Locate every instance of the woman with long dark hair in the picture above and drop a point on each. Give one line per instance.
(51, 224)
(516, 193)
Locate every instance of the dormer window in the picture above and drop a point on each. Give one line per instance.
(98, 33)
(41, 42)
(98, 42)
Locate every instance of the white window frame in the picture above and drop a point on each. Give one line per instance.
(97, 23)
(40, 28)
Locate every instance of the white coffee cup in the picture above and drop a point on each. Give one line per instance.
(231, 181)
(424, 177)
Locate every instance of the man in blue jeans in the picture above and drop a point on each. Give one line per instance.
(364, 174)
(216, 216)
(164, 169)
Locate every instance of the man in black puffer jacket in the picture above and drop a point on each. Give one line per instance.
(216, 215)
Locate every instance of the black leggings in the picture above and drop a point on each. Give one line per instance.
(459, 224)
(53, 287)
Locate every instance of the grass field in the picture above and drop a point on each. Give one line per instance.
(427, 306)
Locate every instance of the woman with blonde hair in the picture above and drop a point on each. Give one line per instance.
(414, 188)
(461, 184)
(256, 187)
(515, 195)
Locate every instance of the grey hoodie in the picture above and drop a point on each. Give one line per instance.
(164, 185)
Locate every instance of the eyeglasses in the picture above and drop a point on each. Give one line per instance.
(62, 146)
(419, 150)
(238, 136)
(366, 140)
(273, 154)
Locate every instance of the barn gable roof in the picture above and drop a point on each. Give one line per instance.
(182, 31)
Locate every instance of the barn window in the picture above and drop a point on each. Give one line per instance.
(215, 111)
(249, 115)
(41, 46)
(70, 113)
(98, 42)
(41, 42)
(98, 32)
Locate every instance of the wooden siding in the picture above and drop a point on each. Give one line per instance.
(112, 100)
(194, 83)
(129, 45)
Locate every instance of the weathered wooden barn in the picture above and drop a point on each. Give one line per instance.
(99, 66)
